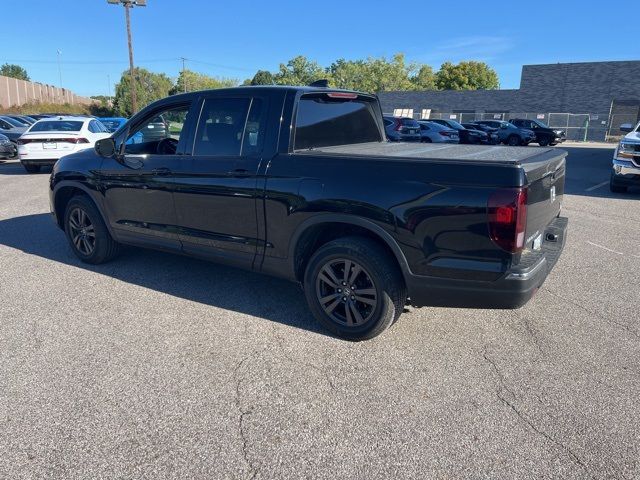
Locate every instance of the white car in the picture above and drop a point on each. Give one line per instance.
(626, 160)
(49, 139)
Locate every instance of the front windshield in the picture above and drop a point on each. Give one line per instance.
(456, 125)
(540, 124)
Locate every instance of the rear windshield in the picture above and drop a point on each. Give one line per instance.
(56, 126)
(323, 122)
(408, 122)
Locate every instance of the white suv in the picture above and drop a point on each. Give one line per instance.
(49, 139)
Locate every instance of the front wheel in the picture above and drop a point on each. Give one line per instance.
(513, 140)
(543, 142)
(354, 288)
(87, 233)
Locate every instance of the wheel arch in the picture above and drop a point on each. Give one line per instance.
(318, 230)
(64, 192)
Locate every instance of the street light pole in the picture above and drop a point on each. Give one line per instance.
(128, 4)
(134, 96)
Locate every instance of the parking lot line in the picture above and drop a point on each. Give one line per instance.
(612, 251)
(597, 186)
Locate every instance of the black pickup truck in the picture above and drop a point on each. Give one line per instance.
(300, 183)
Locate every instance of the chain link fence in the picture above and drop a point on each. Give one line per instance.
(579, 127)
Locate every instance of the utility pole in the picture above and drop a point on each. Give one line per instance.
(184, 75)
(128, 4)
(58, 52)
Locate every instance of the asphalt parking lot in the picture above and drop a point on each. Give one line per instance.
(159, 366)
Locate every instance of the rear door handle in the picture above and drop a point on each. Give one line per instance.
(161, 172)
(238, 172)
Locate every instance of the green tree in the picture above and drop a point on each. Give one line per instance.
(149, 87)
(349, 74)
(424, 79)
(14, 71)
(299, 71)
(262, 77)
(189, 81)
(373, 74)
(467, 76)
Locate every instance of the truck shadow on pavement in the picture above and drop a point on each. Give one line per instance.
(196, 280)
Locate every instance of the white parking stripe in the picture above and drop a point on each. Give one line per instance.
(597, 186)
(612, 251)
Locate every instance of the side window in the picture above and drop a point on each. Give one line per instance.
(221, 127)
(388, 123)
(165, 125)
(4, 125)
(93, 127)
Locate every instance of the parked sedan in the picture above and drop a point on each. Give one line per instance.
(11, 131)
(24, 120)
(466, 136)
(7, 147)
(544, 134)
(400, 129)
(431, 132)
(490, 134)
(49, 139)
(509, 134)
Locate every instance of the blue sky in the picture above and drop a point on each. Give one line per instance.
(234, 39)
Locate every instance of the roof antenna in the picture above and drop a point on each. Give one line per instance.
(324, 83)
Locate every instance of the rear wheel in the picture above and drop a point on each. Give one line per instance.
(513, 140)
(87, 233)
(354, 288)
(32, 168)
(425, 140)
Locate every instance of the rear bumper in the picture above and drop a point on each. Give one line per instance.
(512, 290)
(38, 161)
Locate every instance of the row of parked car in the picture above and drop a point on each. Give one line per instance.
(517, 131)
(42, 139)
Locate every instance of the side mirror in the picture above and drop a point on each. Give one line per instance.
(106, 147)
(626, 127)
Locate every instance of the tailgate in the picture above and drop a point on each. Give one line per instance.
(545, 179)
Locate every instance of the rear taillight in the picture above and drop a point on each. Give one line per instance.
(507, 209)
(444, 133)
(398, 126)
(23, 141)
(72, 140)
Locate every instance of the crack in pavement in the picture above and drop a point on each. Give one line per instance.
(253, 470)
(503, 386)
(324, 373)
(624, 326)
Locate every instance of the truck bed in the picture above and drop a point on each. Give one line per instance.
(449, 152)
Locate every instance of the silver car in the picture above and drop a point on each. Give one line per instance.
(431, 132)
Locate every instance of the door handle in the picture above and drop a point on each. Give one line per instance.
(161, 172)
(239, 172)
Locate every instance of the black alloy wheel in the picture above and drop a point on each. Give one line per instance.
(82, 231)
(87, 233)
(354, 287)
(346, 292)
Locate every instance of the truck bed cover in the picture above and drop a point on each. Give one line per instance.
(448, 152)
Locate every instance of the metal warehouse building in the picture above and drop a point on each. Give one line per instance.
(591, 100)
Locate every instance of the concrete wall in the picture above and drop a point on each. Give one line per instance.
(564, 87)
(14, 92)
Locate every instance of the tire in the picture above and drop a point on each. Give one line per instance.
(513, 140)
(32, 168)
(425, 140)
(544, 141)
(354, 317)
(95, 233)
(616, 188)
